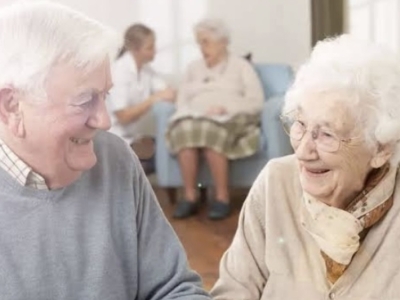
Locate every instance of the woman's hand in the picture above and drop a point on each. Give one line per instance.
(169, 95)
(216, 111)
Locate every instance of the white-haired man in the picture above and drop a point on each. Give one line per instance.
(78, 219)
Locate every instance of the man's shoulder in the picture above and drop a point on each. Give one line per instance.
(113, 150)
(108, 139)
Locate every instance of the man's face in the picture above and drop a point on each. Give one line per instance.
(59, 130)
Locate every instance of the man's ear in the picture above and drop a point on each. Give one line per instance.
(10, 113)
(382, 156)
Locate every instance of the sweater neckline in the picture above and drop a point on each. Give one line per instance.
(9, 185)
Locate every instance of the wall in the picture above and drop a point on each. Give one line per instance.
(115, 13)
(273, 30)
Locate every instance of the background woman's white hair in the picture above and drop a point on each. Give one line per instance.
(369, 77)
(217, 28)
(34, 36)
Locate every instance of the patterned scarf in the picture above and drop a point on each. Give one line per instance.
(339, 232)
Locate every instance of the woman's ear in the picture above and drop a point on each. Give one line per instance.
(10, 114)
(382, 156)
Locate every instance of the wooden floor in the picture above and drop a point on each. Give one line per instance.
(205, 241)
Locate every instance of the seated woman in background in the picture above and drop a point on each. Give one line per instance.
(324, 223)
(136, 88)
(218, 112)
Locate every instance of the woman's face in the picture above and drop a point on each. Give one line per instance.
(333, 177)
(147, 51)
(213, 49)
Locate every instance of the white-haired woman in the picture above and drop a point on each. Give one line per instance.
(324, 223)
(78, 218)
(218, 112)
(136, 88)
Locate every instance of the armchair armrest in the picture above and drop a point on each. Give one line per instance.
(278, 143)
(162, 111)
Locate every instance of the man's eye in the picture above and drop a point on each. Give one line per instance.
(86, 99)
(86, 103)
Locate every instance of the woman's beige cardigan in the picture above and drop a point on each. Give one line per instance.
(273, 258)
(233, 84)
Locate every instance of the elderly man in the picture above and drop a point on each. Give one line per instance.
(78, 219)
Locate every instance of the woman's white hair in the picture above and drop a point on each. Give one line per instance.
(216, 27)
(34, 36)
(369, 77)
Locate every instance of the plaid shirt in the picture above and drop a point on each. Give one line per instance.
(19, 170)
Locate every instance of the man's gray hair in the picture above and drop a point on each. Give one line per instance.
(35, 36)
(216, 27)
(369, 77)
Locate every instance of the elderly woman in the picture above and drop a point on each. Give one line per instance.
(78, 218)
(324, 223)
(218, 112)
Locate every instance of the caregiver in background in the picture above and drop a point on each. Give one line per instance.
(136, 88)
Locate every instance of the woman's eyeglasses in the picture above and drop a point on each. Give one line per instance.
(325, 140)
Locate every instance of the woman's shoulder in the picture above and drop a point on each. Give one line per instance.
(125, 63)
(280, 177)
(239, 61)
(240, 65)
(277, 187)
(281, 167)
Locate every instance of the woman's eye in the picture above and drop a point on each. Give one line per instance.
(326, 134)
(301, 123)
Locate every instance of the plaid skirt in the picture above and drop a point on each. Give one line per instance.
(239, 137)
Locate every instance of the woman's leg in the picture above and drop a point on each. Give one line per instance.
(189, 162)
(218, 165)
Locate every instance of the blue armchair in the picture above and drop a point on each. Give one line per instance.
(275, 79)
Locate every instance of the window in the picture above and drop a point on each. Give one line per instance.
(173, 21)
(376, 20)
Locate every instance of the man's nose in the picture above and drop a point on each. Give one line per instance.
(100, 119)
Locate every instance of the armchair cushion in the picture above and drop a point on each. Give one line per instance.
(275, 78)
(277, 142)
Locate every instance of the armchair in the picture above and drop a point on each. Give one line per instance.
(275, 79)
